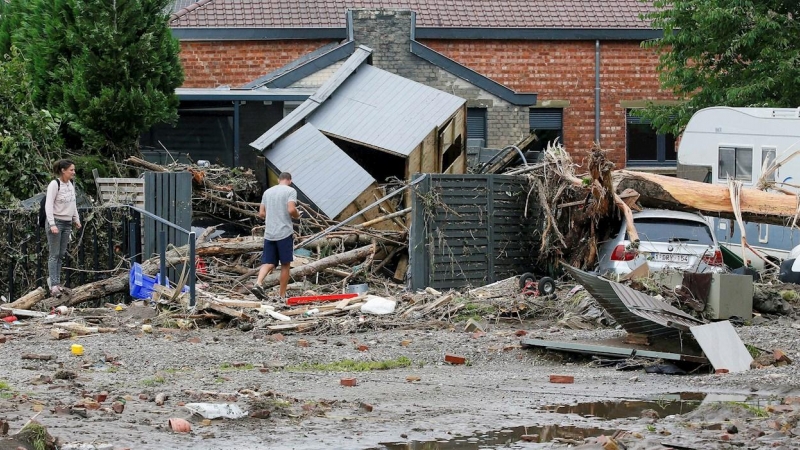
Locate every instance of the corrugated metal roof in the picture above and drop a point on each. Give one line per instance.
(320, 170)
(386, 111)
(320, 95)
(635, 311)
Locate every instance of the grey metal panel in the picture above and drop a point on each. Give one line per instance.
(300, 113)
(545, 118)
(169, 196)
(261, 94)
(285, 125)
(636, 312)
(332, 182)
(473, 234)
(607, 350)
(385, 111)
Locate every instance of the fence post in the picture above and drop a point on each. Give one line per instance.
(162, 253)
(191, 268)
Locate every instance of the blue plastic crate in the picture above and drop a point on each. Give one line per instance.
(142, 285)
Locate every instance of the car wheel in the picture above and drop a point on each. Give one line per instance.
(547, 286)
(525, 278)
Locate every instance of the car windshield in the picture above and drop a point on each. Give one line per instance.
(673, 230)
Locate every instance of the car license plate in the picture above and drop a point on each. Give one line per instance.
(671, 257)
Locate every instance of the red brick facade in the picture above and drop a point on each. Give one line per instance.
(565, 70)
(555, 70)
(234, 63)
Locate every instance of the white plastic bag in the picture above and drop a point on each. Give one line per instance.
(378, 305)
(216, 410)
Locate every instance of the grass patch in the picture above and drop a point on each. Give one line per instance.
(229, 366)
(475, 311)
(754, 351)
(173, 370)
(754, 410)
(155, 381)
(5, 390)
(348, 365)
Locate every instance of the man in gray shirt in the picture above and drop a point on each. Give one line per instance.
(278, 207)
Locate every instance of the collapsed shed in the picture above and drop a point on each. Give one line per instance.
(364, 126)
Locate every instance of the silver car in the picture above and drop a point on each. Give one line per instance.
(668, 240)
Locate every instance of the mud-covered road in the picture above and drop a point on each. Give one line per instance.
(501, 393)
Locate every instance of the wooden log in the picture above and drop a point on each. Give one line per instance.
(134, 161)
(349, 257)
(658, 191)
(37, 356)
(28, 300)
(382, 218)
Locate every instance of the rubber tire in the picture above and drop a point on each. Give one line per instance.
(547, 286)
(524, 278)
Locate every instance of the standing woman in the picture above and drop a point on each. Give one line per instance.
(62, 213)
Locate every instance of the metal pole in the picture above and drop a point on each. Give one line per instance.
(191, 269)
(162, 253)
(132, 241)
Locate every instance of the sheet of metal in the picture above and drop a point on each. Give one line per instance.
(384, 110)
(635, 311)
(324, 173)
(607, 350)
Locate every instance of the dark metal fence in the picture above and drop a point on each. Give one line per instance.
(96, 251)
(471, 230)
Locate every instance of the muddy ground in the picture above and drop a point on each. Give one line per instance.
(501, 393)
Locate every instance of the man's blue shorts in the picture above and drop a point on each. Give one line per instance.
(274, 251)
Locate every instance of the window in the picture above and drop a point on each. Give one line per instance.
(476, 125)
(644, 146)
(736, 163)
(767, 160)
(546, 124)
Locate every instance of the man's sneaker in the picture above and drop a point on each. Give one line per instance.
(55, 291)
(258, 291)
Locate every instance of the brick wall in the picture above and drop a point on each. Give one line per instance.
(234, 63)
(388, 33)
(564, 70)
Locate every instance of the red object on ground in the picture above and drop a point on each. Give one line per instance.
(349, 382)
(10, 319)
(318, 298)
(455, 359)
(566, 379)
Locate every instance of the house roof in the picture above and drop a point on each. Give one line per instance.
(320, 170)
(541, 14)
(385, 111)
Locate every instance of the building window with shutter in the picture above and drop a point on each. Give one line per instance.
(546, 124)
(476, 127)
(644, 146)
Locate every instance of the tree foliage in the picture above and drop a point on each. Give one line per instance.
(29, 138)
(725, 52)
(108, 67)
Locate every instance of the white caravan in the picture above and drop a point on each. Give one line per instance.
(723, 142)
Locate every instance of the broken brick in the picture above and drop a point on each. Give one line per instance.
(521, 333)
(530, 437)
(260, 414)
(721, 371)
(277, 337)
(366, 407)
(478, 334)
(302, 343)
(118, 407)
(455, 359)
(780, 356)
(412, 378)
(2, 339)
(405, 343)
(350, 382)
(101, 397)
(363, 348)
(194, 340)
(563, 379)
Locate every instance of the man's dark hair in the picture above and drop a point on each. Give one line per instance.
(285, 176)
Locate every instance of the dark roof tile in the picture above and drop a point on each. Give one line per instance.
(622, 14)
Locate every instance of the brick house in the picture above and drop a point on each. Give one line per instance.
(572, 69)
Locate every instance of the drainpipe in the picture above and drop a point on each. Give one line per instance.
(597, 91)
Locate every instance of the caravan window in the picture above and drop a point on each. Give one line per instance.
(736, 163)
(768, 159)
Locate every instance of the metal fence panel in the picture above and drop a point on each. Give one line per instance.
(471, 230)
(167, 195)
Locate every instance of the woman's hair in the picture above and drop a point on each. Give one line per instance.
(61, 165)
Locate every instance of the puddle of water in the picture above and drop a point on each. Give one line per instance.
(494, 439)
(663, 405)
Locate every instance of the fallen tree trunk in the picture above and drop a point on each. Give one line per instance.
(28, 300)
(357, 254)
(658, 191)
